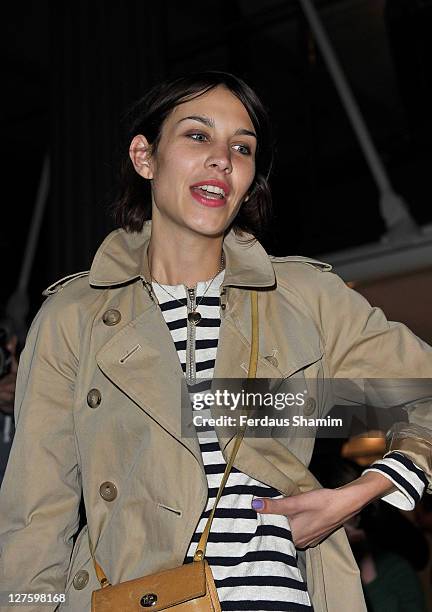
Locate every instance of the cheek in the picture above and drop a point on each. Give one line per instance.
(246, 177)
(175, 167)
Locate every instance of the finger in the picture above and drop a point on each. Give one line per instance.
(265, 505)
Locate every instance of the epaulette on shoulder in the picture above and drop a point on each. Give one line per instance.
(58, 285)
(320, 265)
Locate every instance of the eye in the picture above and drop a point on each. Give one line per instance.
(243, 149)
(198, 136)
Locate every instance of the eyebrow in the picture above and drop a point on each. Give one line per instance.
(210, 123)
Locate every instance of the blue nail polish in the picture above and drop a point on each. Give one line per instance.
(257, 504)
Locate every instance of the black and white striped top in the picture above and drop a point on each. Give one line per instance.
(252, 556)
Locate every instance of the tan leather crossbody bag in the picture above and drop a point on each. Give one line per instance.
(186, 588)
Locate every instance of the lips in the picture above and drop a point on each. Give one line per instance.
(202, 198)
(214, 183)
(210, 192)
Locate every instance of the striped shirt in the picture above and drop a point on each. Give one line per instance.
(252, 556)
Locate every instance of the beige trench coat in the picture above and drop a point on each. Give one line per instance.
(92, 420)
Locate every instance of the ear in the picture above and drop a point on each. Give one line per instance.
(140, 154)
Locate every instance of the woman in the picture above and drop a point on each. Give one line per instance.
(101, 380)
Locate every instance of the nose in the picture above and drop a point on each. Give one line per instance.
(220, 158)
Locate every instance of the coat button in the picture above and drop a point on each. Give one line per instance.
(80, 580)
(272, 359)
(309, 406)
(223, 306)
(108, 491)
(111, 317)
(94, 398)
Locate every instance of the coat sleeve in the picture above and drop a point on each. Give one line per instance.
(41, 490)
(393, 366)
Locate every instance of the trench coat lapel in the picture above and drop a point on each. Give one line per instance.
(142, 361)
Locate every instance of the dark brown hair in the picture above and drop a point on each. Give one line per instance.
(132, 204)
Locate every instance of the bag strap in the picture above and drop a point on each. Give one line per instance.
(200, 552)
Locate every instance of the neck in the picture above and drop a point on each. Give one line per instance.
(179, 257)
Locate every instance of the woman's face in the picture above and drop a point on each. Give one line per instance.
(204, 164)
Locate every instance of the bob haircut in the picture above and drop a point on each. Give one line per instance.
(132, 205)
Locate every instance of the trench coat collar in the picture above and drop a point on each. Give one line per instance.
(122, 257)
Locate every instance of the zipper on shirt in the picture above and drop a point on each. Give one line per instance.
(191, 331)
(191, 337)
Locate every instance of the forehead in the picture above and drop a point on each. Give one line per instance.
(218, 104)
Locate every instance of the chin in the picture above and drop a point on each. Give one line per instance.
(207, 227)
(209, 230)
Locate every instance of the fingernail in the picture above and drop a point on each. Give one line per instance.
(257, 504)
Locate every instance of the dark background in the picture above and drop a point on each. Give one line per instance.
(71, 68)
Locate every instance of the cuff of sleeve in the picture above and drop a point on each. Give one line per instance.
(405, 475)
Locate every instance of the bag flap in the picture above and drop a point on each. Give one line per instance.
(162, 590)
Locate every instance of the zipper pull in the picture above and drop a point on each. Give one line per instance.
(191, 291)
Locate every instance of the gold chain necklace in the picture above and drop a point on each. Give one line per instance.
(194, 316)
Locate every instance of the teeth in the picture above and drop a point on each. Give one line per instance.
(213, 189)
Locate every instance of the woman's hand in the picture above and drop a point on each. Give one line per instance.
(316, 514)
